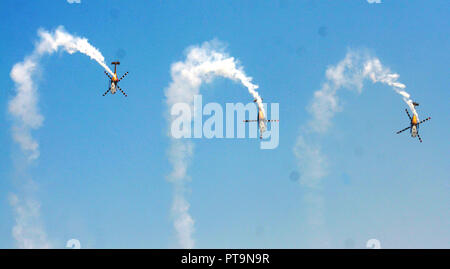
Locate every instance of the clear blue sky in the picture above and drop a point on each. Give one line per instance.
(101, 173)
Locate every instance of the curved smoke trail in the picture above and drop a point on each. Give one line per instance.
(349, 73)
(24, 106)
(202, 64)
(24, 109)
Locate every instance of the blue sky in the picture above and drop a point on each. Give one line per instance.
(101, 174)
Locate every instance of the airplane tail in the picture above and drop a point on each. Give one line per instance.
(115, 65)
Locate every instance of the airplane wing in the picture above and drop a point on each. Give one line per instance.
(108, 75)
(274, 120)
(106, 91)
(409, 116)
(422, 121)
(250, 120)
(122, 91)
(404, 129)
(123, 76)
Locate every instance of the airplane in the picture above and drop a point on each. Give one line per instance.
(114, 80)
(414, 125)
(261, 121)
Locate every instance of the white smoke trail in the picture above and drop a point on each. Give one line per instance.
(349, 73)
(378, 73)
(28, 231)
(24, 109)
(24, 105)
(202, 64)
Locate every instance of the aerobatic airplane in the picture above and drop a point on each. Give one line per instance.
(114, 80)
(414, 125)
(261, 121)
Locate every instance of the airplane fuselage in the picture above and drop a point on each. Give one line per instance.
(114, 81)
(261, 123)
(414, 131)
(414, 126)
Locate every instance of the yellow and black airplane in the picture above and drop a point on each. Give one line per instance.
(414, 125)
(114, 80)
(261, 121)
